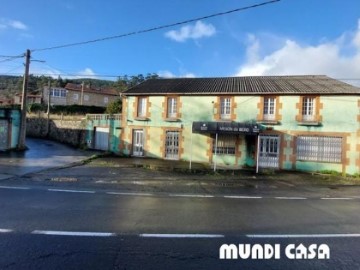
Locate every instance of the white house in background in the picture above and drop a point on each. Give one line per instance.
(81, 95)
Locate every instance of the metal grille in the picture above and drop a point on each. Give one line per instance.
(172, 145)
(269, 151)
(138, 143)
(316, 148)
(225, 145)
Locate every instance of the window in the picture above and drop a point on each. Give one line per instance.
(106, 100)
(316, 148)
(55, 92)
(141, 108)
(225, 145)
(308, 109)
(76, 96)
(86, 97)
(172, 145)
(171, 107)
(225, 108)
(269, 108)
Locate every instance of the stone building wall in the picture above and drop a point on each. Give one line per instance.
(72, 132)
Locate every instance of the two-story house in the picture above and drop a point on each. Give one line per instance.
(283, 122)
(31, 98)
(81, 95)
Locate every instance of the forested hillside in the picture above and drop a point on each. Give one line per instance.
(10, 85)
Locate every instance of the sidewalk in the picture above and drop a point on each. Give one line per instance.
(206, 172)
(134, 175)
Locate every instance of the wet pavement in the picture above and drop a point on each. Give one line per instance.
(41, 155)
(127, 175)
(50, 164)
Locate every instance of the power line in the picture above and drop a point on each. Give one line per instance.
(11, 58)
(9, 71)
(156, 28)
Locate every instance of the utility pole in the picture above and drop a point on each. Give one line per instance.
(22, 145)
(48, 110)
(82, 93)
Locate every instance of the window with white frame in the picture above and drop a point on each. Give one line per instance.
(308, 109)
(269, 108)
(86, 98)
(76, 96)
(171, 107)
(141, 107)
(55, 92)
(226, 145)
(106, 100)
(225, 108)
(319, 148)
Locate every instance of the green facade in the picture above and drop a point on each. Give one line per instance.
(338, 117)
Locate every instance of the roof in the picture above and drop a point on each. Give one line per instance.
(90, 89)
(287, 85)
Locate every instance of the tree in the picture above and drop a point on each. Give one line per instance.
(114, 107)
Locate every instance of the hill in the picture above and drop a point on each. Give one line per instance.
(10, 85)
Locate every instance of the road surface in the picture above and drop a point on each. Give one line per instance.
(82, 229)
(41, 155)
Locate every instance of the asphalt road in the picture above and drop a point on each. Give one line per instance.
(41, 155)
(59, 229)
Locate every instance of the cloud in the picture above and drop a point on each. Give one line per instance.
(15, 24)
(339, 58)
(87, 72)
(169, 74)
(197, 31)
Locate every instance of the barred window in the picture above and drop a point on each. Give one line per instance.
(316, 148)
(225, 145)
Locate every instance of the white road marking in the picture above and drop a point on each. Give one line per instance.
(290, 198)
(242, 197)
(340, 235)
(6, 187)
(69, 233)
(5, 230)
(333, 198)
(191, 195)
(71, 190)
(169, 235)
(130, 193)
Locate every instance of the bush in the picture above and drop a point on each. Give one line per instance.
(67, 110)
(114, 107)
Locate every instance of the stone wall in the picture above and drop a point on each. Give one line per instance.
(72, 132)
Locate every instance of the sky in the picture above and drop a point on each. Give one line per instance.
(288, 37)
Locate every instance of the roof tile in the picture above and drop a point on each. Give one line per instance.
(306, 84)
